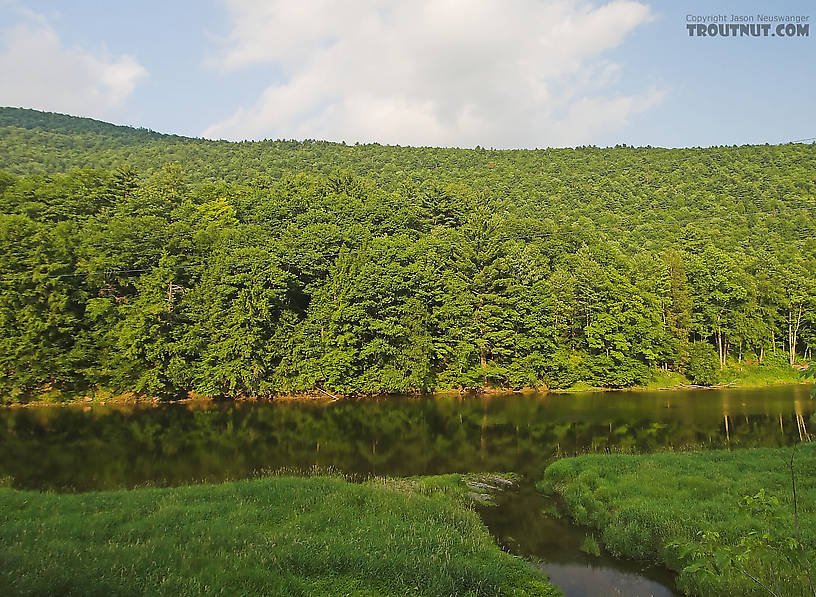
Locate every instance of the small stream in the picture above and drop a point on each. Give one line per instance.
(529, 524)
(94, 447)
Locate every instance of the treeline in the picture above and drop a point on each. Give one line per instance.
(491, 269)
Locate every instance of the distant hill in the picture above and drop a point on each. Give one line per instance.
(34, 142)
(62, 123)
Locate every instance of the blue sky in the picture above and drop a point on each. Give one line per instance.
(515, 73)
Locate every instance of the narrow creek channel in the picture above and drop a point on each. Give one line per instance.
(86, 448)
(531, 525)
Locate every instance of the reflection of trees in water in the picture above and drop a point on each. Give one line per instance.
(68, 448)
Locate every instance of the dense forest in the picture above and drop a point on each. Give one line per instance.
(132, 261)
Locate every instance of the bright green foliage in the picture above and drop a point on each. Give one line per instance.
(41, 328)
(710, 557)
(590, 546)
(810, 373)
(238, 307)
(274, 536)
(181, 265)
(674, 295)
(689, 511)
(703, 364)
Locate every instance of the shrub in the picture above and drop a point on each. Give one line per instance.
(703, 364)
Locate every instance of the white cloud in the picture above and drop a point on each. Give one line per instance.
(38, 71)
(512, 73)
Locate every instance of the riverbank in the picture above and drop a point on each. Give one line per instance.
(276, 535)
(735, 375)
(653, 507)
(743, 376)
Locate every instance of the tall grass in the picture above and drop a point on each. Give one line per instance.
(753, 375)
(272, 536)
(642, 504)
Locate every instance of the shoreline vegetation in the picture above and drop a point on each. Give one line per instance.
(172, 267)
(711, 516)
(274, 535)
(746, 377)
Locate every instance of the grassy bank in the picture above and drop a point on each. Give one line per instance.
(272, 536)
(735, 376)
(642, 505)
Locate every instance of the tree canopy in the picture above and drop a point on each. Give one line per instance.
(164, 265)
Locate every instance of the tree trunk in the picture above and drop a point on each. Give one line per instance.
(720, 345)
(793, 332)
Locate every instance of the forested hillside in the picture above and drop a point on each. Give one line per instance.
(163, 265)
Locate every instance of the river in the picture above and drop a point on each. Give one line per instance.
(82, 448)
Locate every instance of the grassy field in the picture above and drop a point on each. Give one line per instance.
(759, 375)
(642, 505)
(271, 536)
(736, 375)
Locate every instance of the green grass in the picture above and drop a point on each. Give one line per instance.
(641, 504)
(740, 375)
(665, 379)
(590, 546)
(759, 375)
(737, 375)
(271, 536)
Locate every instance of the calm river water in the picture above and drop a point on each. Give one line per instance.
(103, 447)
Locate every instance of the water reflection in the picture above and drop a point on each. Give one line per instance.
(529, 524)
(578, 580)
(103, 447)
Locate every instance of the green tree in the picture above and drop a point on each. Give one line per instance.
(703, 364)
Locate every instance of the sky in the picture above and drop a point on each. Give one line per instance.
(493, 73)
